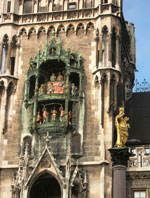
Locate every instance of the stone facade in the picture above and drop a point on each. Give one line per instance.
(97, 32)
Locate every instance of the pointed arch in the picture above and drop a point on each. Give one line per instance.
(22, 31)
(60, 29)
(5, 39)
(32, 30)
(70, 29)
(90, 28)
(14, 41)
(45, 182)
(105, 29)
(50, 30)
(41, 30)
(80, 29)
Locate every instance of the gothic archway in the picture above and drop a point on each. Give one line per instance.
(46, 186)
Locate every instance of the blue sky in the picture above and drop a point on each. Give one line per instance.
(138, 12)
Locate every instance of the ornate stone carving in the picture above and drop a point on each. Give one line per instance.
(57, 16)
(45, 163)
(140, 158)
(27, 19)
(104, 8)
(7, 16)
(138, 175)
(72, 15)
(88, 13)
(115, 9)
(41, 17)
(16, 19)
(120, 156)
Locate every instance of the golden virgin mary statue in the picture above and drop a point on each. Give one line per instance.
(122, 128)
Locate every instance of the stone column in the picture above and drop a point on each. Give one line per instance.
(1, 51)
(3, 118)
(100, 48)
(110, 50)
(120, 158)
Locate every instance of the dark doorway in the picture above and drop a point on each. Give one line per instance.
(45, 187)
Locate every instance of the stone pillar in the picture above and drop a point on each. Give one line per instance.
(110, 50)
(3, 118)
(100, 48)
(120, 158)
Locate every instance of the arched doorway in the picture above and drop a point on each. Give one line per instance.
(46, 186)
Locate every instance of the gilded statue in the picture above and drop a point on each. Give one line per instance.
(122, 128)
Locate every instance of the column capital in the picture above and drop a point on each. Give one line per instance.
(119, 156)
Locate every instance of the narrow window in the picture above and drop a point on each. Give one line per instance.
(43, 7)
(139, 194)
(8, 105)
(8, 6)
(113, 45)
(12, 69)
(72, 6)
(27, 6)
(3, 57)
(139, 160)
(1, 93)
(54, 5)
(104, 46)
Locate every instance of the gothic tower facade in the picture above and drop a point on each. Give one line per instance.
(65, 68)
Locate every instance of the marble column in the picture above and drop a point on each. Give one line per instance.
(120, 157)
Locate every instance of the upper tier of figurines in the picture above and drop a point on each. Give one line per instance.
(57, 85)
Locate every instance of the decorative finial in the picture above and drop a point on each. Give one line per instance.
(47, 138)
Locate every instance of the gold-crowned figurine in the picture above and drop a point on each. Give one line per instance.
(122, 128)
